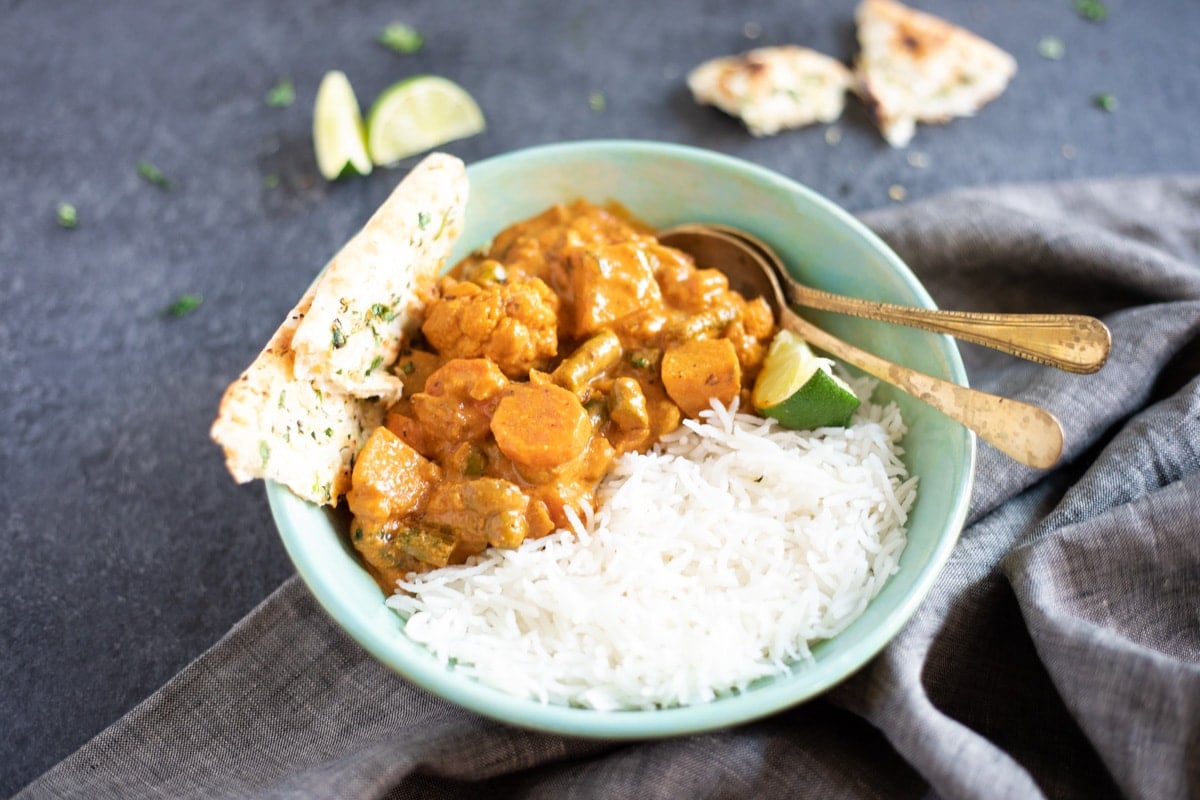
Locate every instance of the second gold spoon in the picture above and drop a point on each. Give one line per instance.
(1070, 342)
(1028, 434)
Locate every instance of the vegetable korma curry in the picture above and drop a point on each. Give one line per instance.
(574, 338)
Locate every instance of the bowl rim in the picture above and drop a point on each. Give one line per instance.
(413, 663)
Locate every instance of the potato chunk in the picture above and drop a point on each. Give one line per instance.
(697, 371)
(458, 401)
(609, 282)
(391, 479)
(514, 324)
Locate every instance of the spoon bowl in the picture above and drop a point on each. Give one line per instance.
(1028, 434)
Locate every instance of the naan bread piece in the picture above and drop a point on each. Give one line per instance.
(273, 424)
(915, 67)
(773, 88)
(302, 410)
(367, 299)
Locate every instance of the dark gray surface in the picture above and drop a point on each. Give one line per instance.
(127, 550)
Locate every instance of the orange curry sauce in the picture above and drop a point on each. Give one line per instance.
(576, 337)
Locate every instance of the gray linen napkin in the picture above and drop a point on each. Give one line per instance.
(1058, 655)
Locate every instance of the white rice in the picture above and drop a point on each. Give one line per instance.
(714, 560)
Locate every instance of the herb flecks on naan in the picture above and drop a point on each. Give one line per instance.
(368, 297)
(298, 415)
(773, 88)
(915, 67)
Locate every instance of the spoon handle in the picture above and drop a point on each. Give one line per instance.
(1070, 342)
(1028, 434)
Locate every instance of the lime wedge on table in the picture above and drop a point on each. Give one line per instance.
(419, 114)
(338, 135)
(799, 389)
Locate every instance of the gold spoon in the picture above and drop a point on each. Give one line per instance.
(1028, 434)
(1070, 342)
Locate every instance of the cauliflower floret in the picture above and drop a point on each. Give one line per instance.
(514, 324)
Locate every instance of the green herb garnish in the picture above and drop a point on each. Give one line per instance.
(1092, 10)
(184, 305)
(423, 219)
(407, 367)
(1051, 47)
(401, 38)
(264, 452)
(1105, 102)
(383, 312)
(339, 336)
(67, 216)
(151, 174)
(281, 95)
(374, 365)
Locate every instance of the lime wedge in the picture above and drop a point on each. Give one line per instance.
(419, 114)
(799, 389)
(338, 135)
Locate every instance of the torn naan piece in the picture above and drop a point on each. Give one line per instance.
(285, 419)
(914, 67)
(773, 88)
(367, 298)
(274, 425)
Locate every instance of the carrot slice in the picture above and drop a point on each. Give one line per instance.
(540, 425)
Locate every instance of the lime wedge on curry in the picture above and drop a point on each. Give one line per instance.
(419, 114)
(799, 389)
(339, 137)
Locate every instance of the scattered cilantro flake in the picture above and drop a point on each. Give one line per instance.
(264, 452)
(67, 216)
(401, 38)
(407, 367)
(423, 219)
(640, 362)
(374, 365)
(597, 101)
(329, 433)
(151, 174)
(184, 305)
(1092, 10)
(339, 336)
(1052, 48)
(282, 94)
(918, 160)
(1105, 102)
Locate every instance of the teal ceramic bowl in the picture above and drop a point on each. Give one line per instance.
(824, 246)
